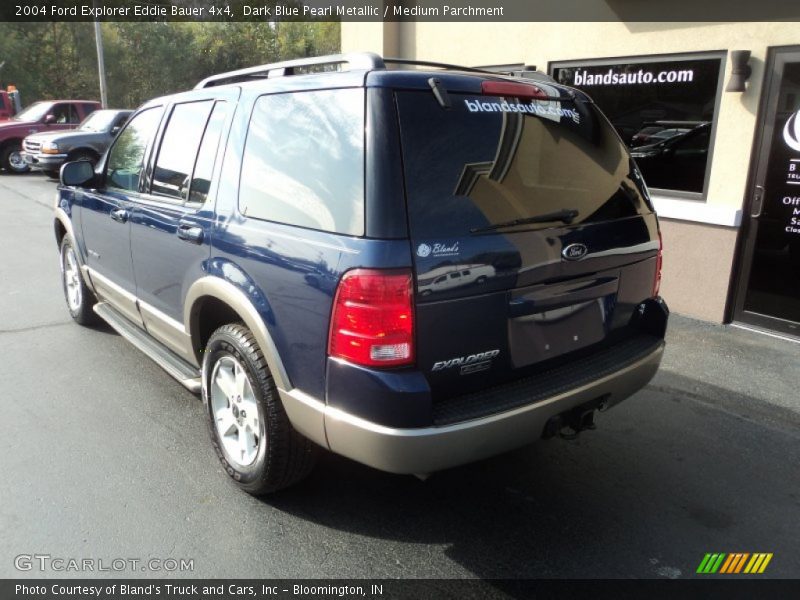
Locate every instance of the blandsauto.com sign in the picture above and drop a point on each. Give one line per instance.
(640, 76)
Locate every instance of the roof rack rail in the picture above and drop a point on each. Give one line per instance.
(518, 70)
(506, 67)
(438, 65)
(360, 60)
(512, 69)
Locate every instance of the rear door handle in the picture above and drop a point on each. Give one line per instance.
(120, 215)
(190, 233)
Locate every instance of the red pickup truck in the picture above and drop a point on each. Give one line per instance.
(50, 115)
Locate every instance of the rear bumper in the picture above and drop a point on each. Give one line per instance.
(429, 449)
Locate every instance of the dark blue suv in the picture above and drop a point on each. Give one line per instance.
(413, 267)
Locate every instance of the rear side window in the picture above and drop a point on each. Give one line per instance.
(121, 120)
(179, 148)
(201, 179)
(492, 160)
(88, 108)
(303, 161)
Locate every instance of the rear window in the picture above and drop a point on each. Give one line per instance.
(303, 160)
(488, 160)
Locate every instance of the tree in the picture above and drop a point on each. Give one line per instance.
(48, 60)
(146, 59)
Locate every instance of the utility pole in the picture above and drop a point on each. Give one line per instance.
(101, 64)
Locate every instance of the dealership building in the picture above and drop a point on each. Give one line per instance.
(715, 131)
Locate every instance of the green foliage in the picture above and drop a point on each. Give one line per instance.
(144, 60)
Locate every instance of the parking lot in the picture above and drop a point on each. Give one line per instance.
(105, 456)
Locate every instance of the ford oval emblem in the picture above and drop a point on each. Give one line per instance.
(574, 251)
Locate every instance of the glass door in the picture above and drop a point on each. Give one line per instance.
(768, 292)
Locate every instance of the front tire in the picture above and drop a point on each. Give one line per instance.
(11, 159)
(79, 297)
(250, 432)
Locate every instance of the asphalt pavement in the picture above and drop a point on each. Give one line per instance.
(104, 456)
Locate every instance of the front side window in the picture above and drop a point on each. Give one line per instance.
(126, 158)
(659, 107)
(179, 149)
(65, 114)
(303, 161)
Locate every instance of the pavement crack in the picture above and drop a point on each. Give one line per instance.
(36, 327)
(16, 192)
(759, 411)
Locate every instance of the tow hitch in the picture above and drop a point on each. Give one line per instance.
(568, 425)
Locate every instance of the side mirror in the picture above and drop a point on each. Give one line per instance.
(115, 130)
(76, 173)
(49, 119)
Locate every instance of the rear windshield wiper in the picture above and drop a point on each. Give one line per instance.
(565, 215)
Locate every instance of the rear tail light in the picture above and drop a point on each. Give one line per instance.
(373, 318)
(659, 260)
(512, 89)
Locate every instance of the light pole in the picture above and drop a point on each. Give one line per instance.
(101, 64)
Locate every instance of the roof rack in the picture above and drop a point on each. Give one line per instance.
(518, 70)
(506, 67)
(438, 65)
(359, 60)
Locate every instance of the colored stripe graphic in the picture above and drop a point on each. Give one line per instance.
(704, 563)
(711, 563)
(728, 563)
(754, 563)
(737, 563)
(741, 562)
(734, 563)
(765, 563)
(759, 563)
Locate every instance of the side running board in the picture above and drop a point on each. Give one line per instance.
(187, 375)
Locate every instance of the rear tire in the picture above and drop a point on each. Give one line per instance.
(250, 432)
(11, 158)
(52, 174)
(80, 299)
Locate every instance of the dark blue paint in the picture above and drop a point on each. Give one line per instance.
(290, 274)
(164, 265)
(107, 242)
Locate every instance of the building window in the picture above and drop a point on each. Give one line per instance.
(664, 109)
